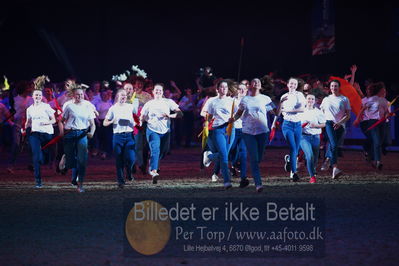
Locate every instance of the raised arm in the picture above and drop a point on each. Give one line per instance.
(353, 69)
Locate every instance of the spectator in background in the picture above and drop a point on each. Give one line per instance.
(104, 134)
(187, 105)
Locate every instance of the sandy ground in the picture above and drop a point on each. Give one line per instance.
(57, 225)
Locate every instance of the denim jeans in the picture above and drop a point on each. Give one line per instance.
(292, 132)
(141, 146)
(157, 143)
(75, 148)
(376, 135)
(256, 146)
(367, 143)
(333, 141)
(239, 152)
(39, 156)
(310, 145)
(222, 147)
(123, 146)
(212, 148)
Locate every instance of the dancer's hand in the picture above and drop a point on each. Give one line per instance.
(337, 126)
(283, 99)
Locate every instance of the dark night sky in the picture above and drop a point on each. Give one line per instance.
(173, 42)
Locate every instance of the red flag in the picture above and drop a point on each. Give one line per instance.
(211, 124)
(51, 142)
(57, 106)
(305, 124)
(273, 132)
(382, 119)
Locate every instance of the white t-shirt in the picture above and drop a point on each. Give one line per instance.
(364, 103)
(221, 110)
(313, 116)
(77, 116)
(153, 112)
(124, 116)
(254, 117)
(375, 107)
(238, 122)
(294, 101)
(335, 107)
(205, 108)
(38, 114)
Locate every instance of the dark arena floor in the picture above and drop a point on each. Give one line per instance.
(58, 225)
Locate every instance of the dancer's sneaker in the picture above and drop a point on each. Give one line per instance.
(287, 165)
(259, 188)
(312, 180)
(294, 177)
(378, 165)
(155, 176)
(214, 178)
(206, 161)
(336, 173)
(81, 189)
(325, 165)
(227, 185)
(10, 170)
(38, 186)
(244, 183)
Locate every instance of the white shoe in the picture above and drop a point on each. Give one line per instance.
(336, 173)
(154, 173)
(206, 161)
(81, 189)
(214, 178)
(61, 165)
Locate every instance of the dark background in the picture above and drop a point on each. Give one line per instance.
(94, 41)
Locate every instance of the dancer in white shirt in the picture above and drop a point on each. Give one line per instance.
(313, 121)
(253, 110)
(336, 109)
(120, 116)
(78, 117)
(40, 117)
(157, 114)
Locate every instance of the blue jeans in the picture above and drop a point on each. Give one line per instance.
(292, 132)
(239, 152)
(39, 156)
(212, 148)
(367, 143)
(375, 135)
(222, 147)
(310, 145)
(75, 148)
(157, 143)
(123, 146)
(333, 141)
(255, 145)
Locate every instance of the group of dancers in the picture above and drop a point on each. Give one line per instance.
(301, 127)
(238, 116)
